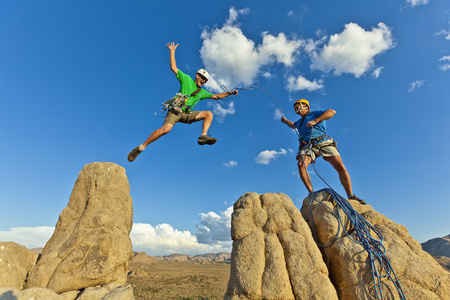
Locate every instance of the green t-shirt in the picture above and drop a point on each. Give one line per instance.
(188, 87)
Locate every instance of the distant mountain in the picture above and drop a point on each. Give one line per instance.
(439, 248)
(222, 256)
(141, 257)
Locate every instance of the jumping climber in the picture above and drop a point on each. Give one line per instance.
(314, 142)
(193, 93)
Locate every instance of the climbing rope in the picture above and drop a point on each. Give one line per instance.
(363, 230)
(279, 106)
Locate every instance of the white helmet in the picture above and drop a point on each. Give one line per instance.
(204, 73)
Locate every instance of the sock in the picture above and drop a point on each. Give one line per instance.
(141, 147)
(203, 134)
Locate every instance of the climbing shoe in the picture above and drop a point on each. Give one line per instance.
(204, 139)
(133, 154)
(353, 197)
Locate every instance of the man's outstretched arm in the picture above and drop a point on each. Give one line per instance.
(173, 64)
(223, 95)
(288, 123)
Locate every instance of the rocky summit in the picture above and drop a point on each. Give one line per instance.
(275, 255)
(15, 263)
(87, 255)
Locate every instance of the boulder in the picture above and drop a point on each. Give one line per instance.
(91, 244)
(274, 255)
(107, 292)
(15, 262)
(420, 276)
(10, 293)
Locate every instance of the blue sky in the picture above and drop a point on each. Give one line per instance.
(81, 81)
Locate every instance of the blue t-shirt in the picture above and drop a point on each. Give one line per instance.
(187, 87)
(319, 128)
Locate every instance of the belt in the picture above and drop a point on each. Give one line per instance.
(314, 140)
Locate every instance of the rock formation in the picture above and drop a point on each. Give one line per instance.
(439, 248)
(421, 277)
(91, 244)
(142, 258)
(107, 292)
(274, 255)
(15, 262)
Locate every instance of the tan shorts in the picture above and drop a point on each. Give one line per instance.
(188, 118)
(326, 148)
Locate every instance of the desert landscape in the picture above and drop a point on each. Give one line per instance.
(177, 279)
(203, 277)
(274, 254)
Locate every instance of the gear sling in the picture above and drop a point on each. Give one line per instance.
(177, 103)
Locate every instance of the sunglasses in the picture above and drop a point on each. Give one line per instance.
(202, 77)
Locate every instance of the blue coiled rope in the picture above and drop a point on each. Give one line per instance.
(363, 230)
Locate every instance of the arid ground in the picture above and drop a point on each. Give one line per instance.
(179, 279)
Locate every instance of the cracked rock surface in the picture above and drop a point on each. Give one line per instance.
(274, 255)
(90, 245)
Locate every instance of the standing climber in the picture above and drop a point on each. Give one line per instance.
(190, 93)
(314, 142)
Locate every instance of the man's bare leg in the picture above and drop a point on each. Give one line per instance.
(303, 164)
(344, 176)
(165, 129)
(207, 118)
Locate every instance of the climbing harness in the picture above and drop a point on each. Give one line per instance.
(177, 104)
(379, 263)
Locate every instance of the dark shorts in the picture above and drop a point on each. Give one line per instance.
(183, 117)
(326, 148)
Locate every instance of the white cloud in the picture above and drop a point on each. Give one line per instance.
(311, 46)
(234, 15)
(278, 49)
(301, 83)
(221, 112)
(231, 164)
(266, 75)
(446, 66)
(163, 239)
(353, 50)
(414, 3)
(266, 156)
(30, 237)
(444, 32)
(214, 229)
(233, 59)
(376, 73)
(277, 114)
(415, 85)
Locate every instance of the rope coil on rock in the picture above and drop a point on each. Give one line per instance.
(363, 230)
(373, 246)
